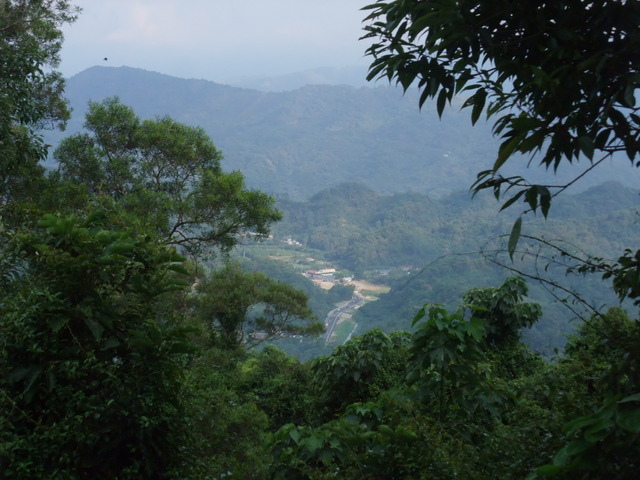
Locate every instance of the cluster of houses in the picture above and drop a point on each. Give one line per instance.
(322, 275)
(291, 241)
(326, 275)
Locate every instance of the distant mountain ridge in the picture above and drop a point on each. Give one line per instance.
(296, 143)
(351, 75)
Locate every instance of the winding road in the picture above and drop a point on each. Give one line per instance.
(334, 316)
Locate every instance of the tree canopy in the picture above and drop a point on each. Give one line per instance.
(559, 78)
(31, 96)
(95, 344)
(241, 307)
(562, 75)
(90, 364)
(166, 175)
(99, 377)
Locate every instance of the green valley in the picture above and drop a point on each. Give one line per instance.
(200, 281)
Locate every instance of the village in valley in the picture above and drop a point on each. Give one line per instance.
(326, 277)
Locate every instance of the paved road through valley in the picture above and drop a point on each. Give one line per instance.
(333, 317)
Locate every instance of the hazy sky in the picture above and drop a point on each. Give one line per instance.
(216, 39)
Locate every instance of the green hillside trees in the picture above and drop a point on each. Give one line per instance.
(31, 98)
(238, 307)
(165, 176)
(560, 81)
(561, 77)
(96, 348)
(90, 364)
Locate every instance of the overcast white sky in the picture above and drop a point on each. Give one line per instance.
(216, 39)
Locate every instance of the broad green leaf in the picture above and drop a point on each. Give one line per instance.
(603, 138)
(155, 335)
(545, 200)
(119, 247)
(111, 343)
(599, 430)
(506, 150)
(631, 398)
(630, 95)
(313, 443)
(587, 146)
(531, 197)
(419, 316)
(295, 436)
(31, 372)
(52, 381)
(33, 375)
(58, 322)
(478, 105)
(442, 101)
(512, 200)
(405, 434)
(524, 123)
(423, 97)
(577, 446)
(514, 237)
(476, 329)
(629, 419)
(176, 267)
(574, 448)
(96, 329)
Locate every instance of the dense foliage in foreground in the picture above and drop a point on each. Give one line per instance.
(118, 361)
(473, 402)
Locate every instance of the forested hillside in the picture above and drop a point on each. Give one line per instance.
(433, 250)
(365, 231)
(143, 281)
(296, 143)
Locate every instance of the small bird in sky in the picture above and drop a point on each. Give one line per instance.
(105, 59)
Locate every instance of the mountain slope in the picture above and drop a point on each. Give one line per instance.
(434, 250)
(299, 142)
